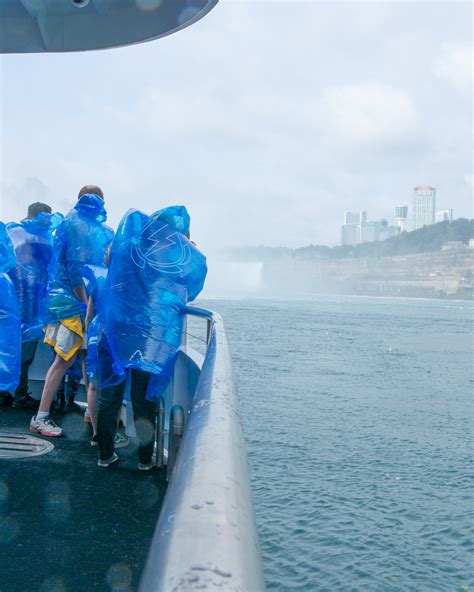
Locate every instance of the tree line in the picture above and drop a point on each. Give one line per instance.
(423, 240)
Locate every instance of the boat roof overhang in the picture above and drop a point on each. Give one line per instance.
(34, 26)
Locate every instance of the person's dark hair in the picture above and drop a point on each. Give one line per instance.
(91, 189)
(36, 208)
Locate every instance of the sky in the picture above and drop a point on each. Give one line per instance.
(268, 120)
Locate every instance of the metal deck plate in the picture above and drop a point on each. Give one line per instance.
(22, 446)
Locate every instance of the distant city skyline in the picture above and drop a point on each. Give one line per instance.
(358, 229)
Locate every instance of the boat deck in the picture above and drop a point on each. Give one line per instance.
(67, 525)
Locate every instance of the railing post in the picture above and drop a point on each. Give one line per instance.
(175, 435)
(160, 431)
(209, 327)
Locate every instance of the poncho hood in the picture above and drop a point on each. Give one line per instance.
(91, 206)
(176, 217)
(43, 223)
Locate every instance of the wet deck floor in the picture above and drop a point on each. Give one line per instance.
(67, 525)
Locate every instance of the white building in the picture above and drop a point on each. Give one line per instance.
(357, 229)
(424, 204)
(401, 215)
(351, 229)
(444, 216)
(377, 230)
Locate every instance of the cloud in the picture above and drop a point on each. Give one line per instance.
(367, 114)
(455, 65)
(268, 120)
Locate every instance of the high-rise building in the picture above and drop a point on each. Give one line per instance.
(351, 229)
(401, 214)
(444, 216)
(349, 234)
(424, 203)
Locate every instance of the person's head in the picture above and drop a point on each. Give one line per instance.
(37, 208)
(91, 189)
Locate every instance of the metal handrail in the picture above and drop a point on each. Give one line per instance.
(206, 535)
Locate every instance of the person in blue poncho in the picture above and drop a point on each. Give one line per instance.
(32, 240)
(96, 278)
(82, 238)
(10, 322)
(154, 271)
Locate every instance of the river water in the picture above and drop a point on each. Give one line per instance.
(358, 419)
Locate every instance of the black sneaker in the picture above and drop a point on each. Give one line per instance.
(5, 399)
(25, 402)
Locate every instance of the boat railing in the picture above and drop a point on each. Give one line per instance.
(206, 535)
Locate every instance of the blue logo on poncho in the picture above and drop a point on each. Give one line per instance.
(162, 248)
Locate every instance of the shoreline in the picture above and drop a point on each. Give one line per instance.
(322, 295)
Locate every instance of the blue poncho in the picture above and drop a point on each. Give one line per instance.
(154, 271)
(10, 323)
(95, 279)
(81, 239)
(33, 244)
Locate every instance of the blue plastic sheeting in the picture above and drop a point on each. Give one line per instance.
(100, 362)
(82, 239)
(7, 253)
(33, 244)
(176, 216)
(95, 278)
(154, 271)
(96, 341)
(10, 323)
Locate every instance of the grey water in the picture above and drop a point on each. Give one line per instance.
(358, 419)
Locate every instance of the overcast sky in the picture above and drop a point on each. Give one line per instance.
(267, 119)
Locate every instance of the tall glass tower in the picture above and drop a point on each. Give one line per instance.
(424, 204)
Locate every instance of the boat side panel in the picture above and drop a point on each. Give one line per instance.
(209, 498)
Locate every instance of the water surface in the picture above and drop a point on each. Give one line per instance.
(358, 420)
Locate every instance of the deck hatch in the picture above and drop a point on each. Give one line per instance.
(22, 446)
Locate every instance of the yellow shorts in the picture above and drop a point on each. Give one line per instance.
(66, 337)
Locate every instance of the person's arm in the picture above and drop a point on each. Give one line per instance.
(89, 313)
(81, 294)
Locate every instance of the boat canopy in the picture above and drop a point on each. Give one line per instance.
(32, 26)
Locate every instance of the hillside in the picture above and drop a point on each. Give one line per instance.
(424, 240)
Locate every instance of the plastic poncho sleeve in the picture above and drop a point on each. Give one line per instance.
(154, 270)
(10, 323)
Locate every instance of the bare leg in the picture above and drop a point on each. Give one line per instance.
(92, 394)
(52, 381)
(84, 371)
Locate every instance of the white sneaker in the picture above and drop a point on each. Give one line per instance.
(45, 426)
(146, 466)
(108, 462)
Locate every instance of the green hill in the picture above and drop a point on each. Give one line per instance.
(424, 240)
